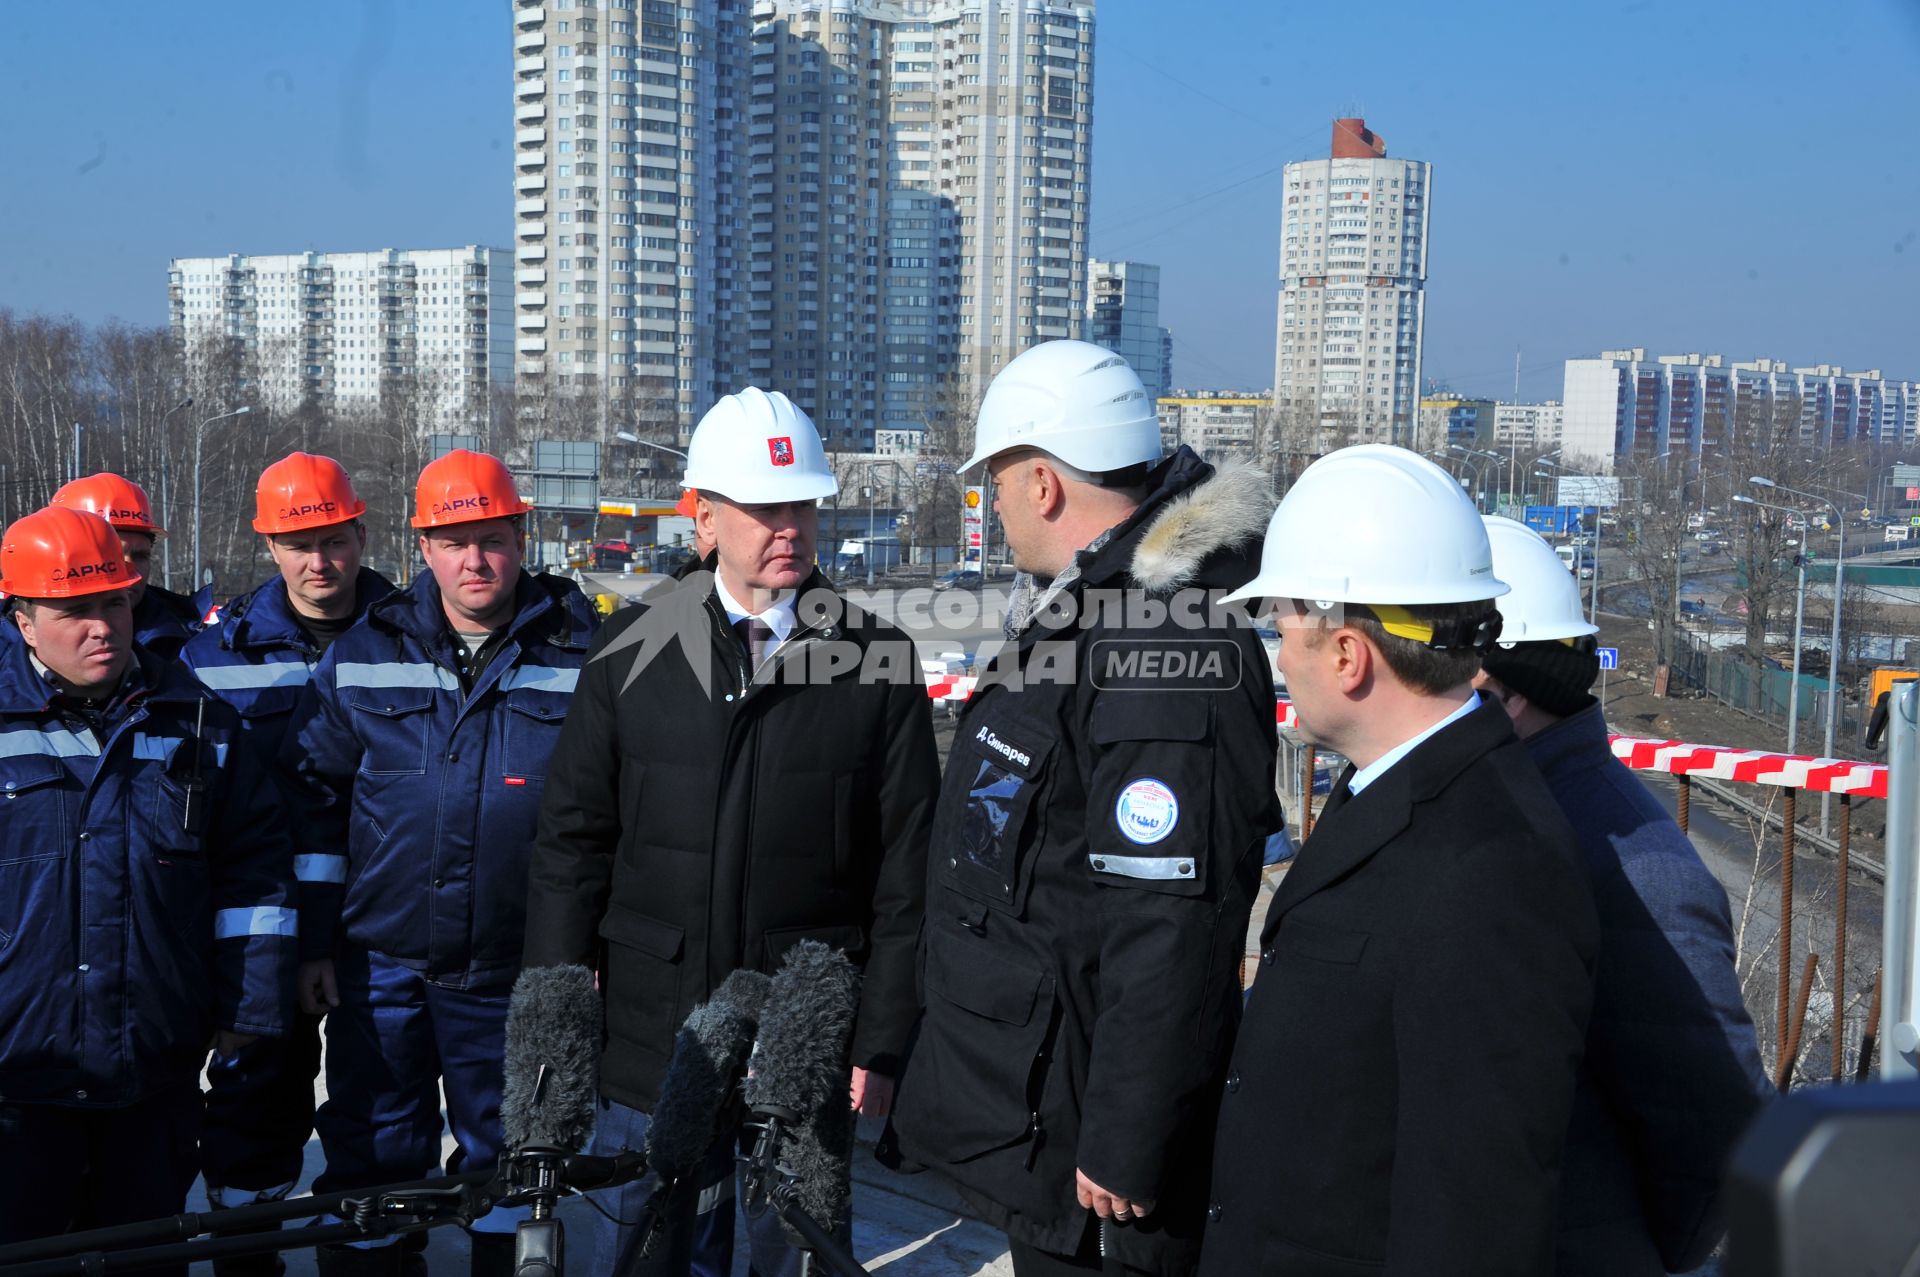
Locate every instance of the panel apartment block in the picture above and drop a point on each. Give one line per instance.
(341, 329)
(1353, 275)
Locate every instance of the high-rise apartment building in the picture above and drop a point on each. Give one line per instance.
(1450, 419)
(345, 329)
(918, 198)
(1220, 425)
(629, 124)
(1123, 314)
(1625, 404)
(1353, 273)
(1529, 425)
(852, 201)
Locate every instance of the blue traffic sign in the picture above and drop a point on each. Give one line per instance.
(1609, 658)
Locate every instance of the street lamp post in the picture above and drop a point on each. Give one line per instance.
(166, 544)
(199, 438)
(1799, 619)
(627, 436)
(1593, 593)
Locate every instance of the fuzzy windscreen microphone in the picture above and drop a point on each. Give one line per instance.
(709, 1054)
(800, 1070)
(552, 1059)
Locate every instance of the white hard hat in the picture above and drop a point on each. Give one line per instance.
(1075, 400)
(756, 448)
(1375, 524)
(1545, 600)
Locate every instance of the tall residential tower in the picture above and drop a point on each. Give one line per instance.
(855, 201)
(1353, 274)
(1123, 314)
(629, 122)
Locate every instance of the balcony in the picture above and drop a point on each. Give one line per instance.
(530, 298)
(531, 252)
(530, 368)
(530, 66)
(530, 89)
(530, 323)
(530, 230)
(528, 42)
(530, 137)
(525, 278)
(530, 111)
(530, 208)
(531, 345)
(530, 182)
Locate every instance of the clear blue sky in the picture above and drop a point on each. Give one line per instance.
(1736, 176)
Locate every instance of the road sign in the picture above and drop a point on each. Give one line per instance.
(1609, 658)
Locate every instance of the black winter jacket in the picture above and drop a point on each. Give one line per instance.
(698, 820)
(1095, 856)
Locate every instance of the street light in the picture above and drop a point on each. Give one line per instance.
(1799, 617)
(199, 437)
(1839, 586)
(166, 545)
(627, 436)
(1593, 595)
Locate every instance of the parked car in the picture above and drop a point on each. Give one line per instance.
(959, 579)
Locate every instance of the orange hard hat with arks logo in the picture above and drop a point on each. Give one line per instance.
(302, 491)
(62, 553)
(120, 501)
(689, 503)
(465, 487)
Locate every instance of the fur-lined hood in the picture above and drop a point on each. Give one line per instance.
(1201, 523)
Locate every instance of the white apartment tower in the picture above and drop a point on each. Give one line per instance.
(343, 329)
(1123, 314)
(918, 198)
(1353, 272)
(627, 118)
(851, 201)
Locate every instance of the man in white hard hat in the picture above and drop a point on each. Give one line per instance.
(1103, 816)
(1672, 1076)
(1399, 1092)
(763, 774)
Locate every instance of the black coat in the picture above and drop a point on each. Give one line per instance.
(690, 830)
(1400, 1090)
(1095, 855)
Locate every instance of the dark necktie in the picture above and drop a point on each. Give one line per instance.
(756, 636)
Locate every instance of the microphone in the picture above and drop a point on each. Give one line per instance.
(547, 1101)
(708, 1054)
(552, 1060)
(797, 1086)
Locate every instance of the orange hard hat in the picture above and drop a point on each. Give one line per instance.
(62, 553)
(119, 501)
(465, 487)
(689, 503)
(302, 491)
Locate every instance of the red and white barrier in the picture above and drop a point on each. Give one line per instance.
(1789, 771)
(1678, 758)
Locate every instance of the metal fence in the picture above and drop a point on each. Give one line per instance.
(1763, 691)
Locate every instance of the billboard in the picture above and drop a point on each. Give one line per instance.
(1589, 489)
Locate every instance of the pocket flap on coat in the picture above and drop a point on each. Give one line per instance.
(392, 702)
(962, 971)
(847, 938)
(1119, 716)
(637, 931)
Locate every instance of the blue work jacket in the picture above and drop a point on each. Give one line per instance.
(256, 657)
(134, 920)
(427, 794)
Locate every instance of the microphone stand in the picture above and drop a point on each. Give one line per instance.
(767, 1180)
(533, 1177)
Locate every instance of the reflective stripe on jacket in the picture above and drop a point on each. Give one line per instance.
(133, 923)
(418, 800)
